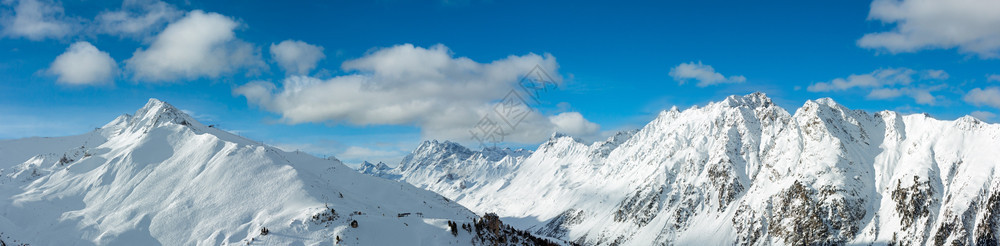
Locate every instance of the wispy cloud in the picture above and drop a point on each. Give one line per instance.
(993, 78)
(889, 83)
(136, 18)
(37, 20)
(704, 74)
(983, 115)
(989, 96)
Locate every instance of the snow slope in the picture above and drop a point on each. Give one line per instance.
(739, 171)
(160, 177)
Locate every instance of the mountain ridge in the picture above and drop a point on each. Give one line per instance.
(750, 169)
(161, 177)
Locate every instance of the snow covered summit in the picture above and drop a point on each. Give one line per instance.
(743, 171)
(161, 177)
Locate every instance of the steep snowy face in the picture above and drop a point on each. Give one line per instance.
(745, 171)
(433, 150)
(161, 177)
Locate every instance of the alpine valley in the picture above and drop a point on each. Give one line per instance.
(739, 171)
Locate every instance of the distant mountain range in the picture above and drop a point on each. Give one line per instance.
(739, 171)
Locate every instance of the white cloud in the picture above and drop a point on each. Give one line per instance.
(993, 78)
(704, 74)
(137, 18)
(885, 93)
(574, 124)
(296, 57)
(878, 78)
(889, 84)
(922, 96)
(983, 115)
(969, 25)
(198, 45)
(84, 64)
(36, 20)
(934, 74)
(989, 96)
(445, 96)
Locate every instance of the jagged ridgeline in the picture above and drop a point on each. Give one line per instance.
(740, 171)
(160, 177)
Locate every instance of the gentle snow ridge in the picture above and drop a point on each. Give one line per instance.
(161, 177)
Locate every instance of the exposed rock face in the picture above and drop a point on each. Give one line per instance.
(740, 171)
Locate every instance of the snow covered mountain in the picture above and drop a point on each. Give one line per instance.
(739, 171)
(161, 177)
(380, 169)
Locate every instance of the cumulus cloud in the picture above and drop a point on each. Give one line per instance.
(296, 57)
(704, 74)
(198, 45)
(889, 83)
(36, 20)
(969, 25)
(983, 115)
(574, 124)
(137, 18)
(989, 97)
(83, 64)
(447, 97)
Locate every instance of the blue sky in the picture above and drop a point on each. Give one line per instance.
(369, 80)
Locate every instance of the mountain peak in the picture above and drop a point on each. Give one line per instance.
(968, 118)
(160, 158)
(155, 113)
(825, 101)
(443, 147)
(967, 122)
(378, 170)
(154, 108)
(381, 166)
(156, 102)
(559, 135)
(753, 100)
